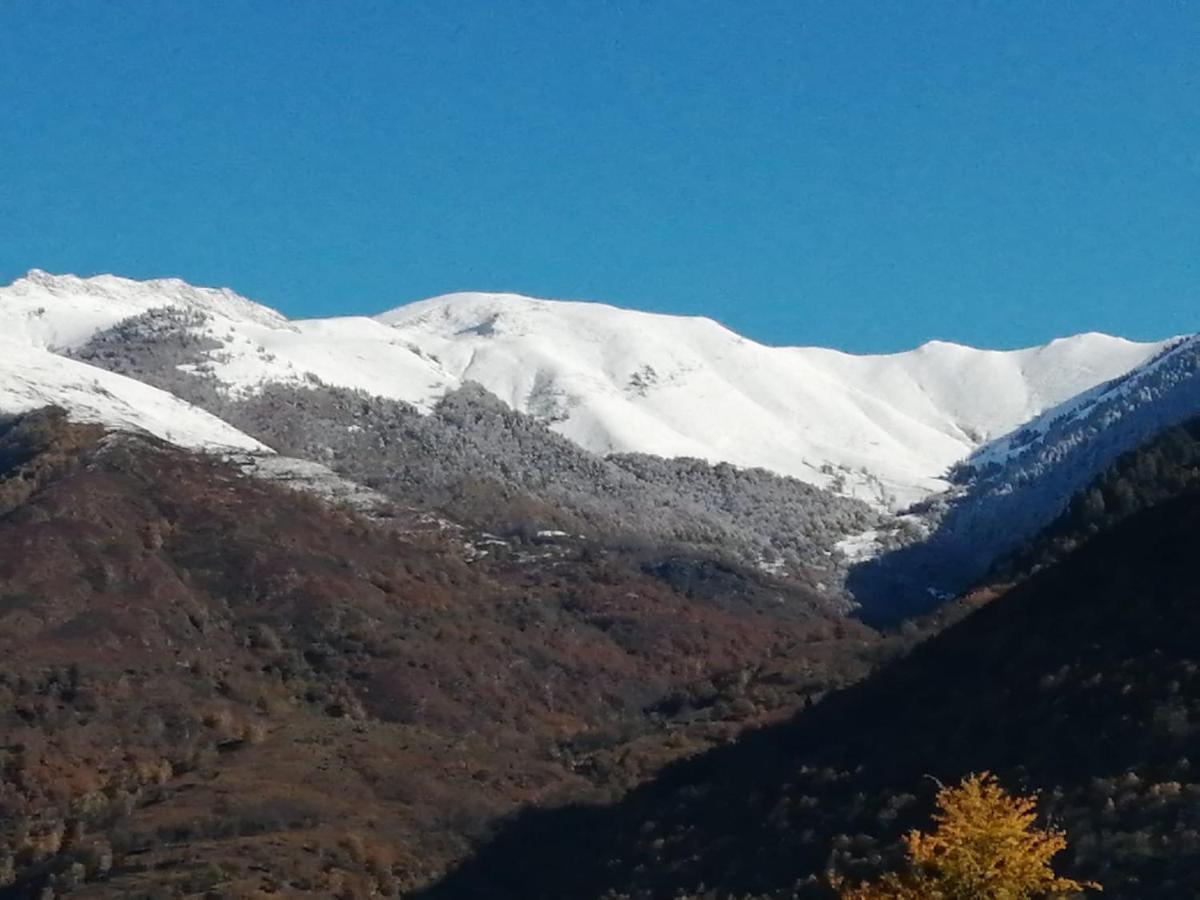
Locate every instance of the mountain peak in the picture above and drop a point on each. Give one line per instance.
(62, 310)
(471, 305)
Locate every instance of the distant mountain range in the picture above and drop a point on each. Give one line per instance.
(883, 428)
(929, 465)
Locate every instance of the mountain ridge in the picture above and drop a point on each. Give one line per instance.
(884, 428)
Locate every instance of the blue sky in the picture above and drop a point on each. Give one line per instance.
(860, 175)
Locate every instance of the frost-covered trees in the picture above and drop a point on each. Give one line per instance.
(479, 460)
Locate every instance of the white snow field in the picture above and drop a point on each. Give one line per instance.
(885, 428)
(31, 377)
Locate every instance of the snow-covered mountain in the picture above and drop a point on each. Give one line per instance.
(613, 381)
(885, 427)
(617, 380)
(1010, 489)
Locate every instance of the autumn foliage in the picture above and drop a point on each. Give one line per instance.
(985, 846)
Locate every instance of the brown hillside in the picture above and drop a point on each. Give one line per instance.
(211, 683)
(1082, 682)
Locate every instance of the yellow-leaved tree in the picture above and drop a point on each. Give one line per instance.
(985, 846)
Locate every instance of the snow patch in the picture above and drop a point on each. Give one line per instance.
(31, 378)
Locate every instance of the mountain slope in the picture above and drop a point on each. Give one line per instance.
(31, 378)
(1008, 491)
(206, 679)
(475, 460)
(882, 427)
(616, 380)
(1165, 467)
(1082, 683)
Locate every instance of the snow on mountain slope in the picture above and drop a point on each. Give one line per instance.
(1010, 489)
(257, 344)
(617, 380)
(31, 377)
(57, 311)
(613, 380)
(1140, 391)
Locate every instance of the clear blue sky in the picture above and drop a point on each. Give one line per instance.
(861, 175)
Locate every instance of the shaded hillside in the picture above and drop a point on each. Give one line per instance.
(209, 681)
(1166, 467)
(1082, 682)
(1014, 488)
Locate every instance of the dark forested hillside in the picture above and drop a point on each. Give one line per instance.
(212, 683)
(1083, 683)
(1167, 466)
